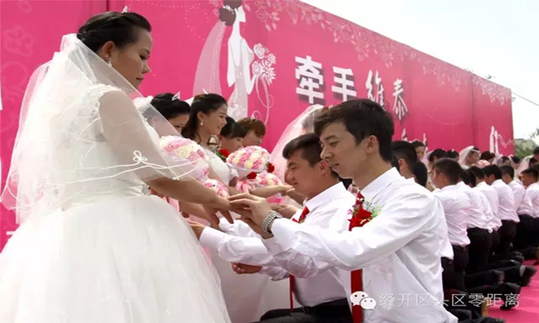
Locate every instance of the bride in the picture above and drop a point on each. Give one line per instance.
(93, 245)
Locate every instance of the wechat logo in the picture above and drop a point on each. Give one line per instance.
(362, 299)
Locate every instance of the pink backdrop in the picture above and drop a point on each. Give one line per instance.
(450, 107)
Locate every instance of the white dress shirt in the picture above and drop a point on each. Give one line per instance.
(492, 196)
(477, 217)
(325, 287)
(507, 211)
(399, 250)
(523, 204)
(533, 193)
(456, 206)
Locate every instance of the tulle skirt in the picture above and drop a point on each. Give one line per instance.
(119, 260)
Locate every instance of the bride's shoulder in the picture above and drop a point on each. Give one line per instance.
(99, 90)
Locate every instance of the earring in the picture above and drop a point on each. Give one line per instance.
(109, 63)
(201, 123)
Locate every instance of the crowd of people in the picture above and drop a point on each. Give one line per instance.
(371, 229)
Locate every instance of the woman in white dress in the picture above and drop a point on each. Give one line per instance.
(247, 297)
(92, 245)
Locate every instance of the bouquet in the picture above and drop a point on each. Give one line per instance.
(249, 161)
(181, 151)
(219, 188)
(267, 180)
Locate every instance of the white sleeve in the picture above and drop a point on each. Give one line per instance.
(276, 273)
(123, 128)
(318, 249)
(250, 251)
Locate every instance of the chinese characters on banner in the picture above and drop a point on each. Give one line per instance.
(310, 77)
(457, 300)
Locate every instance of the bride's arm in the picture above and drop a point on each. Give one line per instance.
(124, 130)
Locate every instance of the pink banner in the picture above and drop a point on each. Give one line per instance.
(271, 59)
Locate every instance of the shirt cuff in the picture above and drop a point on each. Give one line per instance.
(284, 232)
(211, 238)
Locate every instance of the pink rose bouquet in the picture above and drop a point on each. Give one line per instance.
(181, 151)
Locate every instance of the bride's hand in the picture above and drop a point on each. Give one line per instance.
(220, 205)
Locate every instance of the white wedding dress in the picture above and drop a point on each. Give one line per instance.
(112, 255)
(247, 297)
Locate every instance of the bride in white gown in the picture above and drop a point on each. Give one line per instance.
(92, 245)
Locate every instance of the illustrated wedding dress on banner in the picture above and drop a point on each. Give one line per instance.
(93, 246)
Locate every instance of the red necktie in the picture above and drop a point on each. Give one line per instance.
(357, 275)
(301, 219)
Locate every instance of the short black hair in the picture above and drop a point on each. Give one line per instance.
(493, 170)
(120, 28)
(438, 153)
(487, 155)
(405, 150)
(536, 151)
(468, 178)
(421, 173)
(308, 144)
(515, 159)
(477, 172)
(506, 169)
(362, 118)
(418, 143)
(169, 106)
(452, 154)
(450, 168)
(531, 172)
(232, 129)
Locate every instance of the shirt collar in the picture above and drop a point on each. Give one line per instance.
(451, 187)
(327, 195)
(383, 181)
(461, 184)
(498, 181)
(533, 185)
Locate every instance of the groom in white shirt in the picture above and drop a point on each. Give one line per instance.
(395, 225)
(323, 298)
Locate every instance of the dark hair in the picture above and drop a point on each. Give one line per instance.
(255, 125)
(504, 159)
(362, 118)
(532, 161)
(515, 159)
(452, 154)
(506, 169)
(493, 170)
(205, 103)
(487, 155)
(418, 144)
(531, 172)
(438, 153)
(450, 168)
(536, 167)
(168, 107)
(421, 173)
(477, 172)
(405, 150)
(229, 16)
(310, 147)
(467, 177)
(120, 28)
(232, 129)
(536, 150)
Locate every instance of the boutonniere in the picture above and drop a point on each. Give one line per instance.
(223, 154)
(270, 167)
(362, 213)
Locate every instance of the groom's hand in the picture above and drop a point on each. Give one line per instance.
(252, 207)
(245, 269)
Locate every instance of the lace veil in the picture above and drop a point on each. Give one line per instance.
(80, 135)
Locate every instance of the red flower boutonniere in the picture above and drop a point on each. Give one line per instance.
(270, 167)
(360, 216)
(223, 154)
(251, 175)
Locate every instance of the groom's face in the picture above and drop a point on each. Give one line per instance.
(340, 149)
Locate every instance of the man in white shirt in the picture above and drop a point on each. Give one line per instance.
(323, 297)
(506, 210)
(456, 204)
(530, 177)
(479, 230)
(523, 208)
(399, 250)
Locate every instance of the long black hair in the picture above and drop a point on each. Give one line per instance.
(205, 103)
(169, 106)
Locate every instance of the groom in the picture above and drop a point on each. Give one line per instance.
(393, 246)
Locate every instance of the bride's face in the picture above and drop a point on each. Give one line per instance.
(132, 60)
